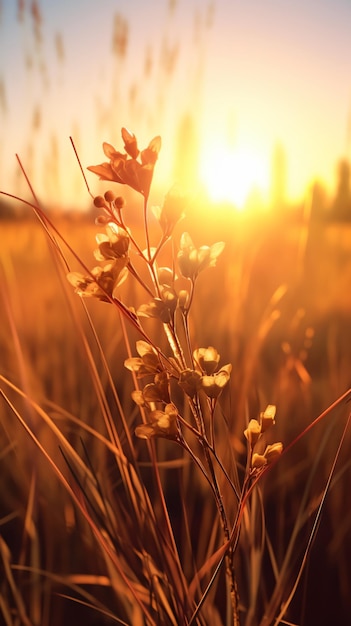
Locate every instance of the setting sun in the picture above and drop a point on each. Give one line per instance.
(232, 174)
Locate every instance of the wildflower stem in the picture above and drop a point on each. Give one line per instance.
(141, 282)
(122, 223)
(174, 345)
(191, 293)
(146, 229)
(159, 248)
(223, 516)
(187, 335)
(226, 532)
(204, 442)
(80, 166)
(212, 434)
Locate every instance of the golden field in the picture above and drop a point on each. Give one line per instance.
(276, 306)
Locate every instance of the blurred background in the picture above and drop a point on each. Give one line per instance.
(255, 94)
(253, 103)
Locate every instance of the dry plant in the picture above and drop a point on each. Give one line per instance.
(170, 506)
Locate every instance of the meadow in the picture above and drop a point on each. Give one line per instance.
(174, 424)
(276, 306)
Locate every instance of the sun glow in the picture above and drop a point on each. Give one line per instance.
(234, 174)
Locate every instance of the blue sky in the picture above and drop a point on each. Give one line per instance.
(252, 72)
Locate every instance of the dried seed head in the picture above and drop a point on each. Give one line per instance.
(109, 196)
(119, 202)
(99, 202)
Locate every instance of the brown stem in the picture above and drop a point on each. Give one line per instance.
(223, 517)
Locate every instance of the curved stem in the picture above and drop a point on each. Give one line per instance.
(159, 247)
(222, 513)
(146, 229)
(134, 273)
(174, 344)
(230, 554)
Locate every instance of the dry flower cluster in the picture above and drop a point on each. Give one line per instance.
(187, 418)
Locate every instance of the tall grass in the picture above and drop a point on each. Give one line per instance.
(146, 479)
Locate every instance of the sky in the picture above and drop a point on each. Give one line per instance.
(223, 82)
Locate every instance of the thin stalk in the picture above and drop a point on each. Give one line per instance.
(141, 282)
(102, 541)
(160, 245)
(225, 526)
(146, 230)
(212, 405)
(313, 533)
(196, 411)
(204, 441)
(174, 344)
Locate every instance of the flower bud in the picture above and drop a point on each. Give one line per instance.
(268, 417)
(183, 299)
(119, 202)
(252, 432)
(109, 196)
(189, 381)
(207, 359)
(273, 451)
(99, 202)
(258, 461)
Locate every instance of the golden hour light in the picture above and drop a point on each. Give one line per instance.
(232, 174)
(175, 336)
